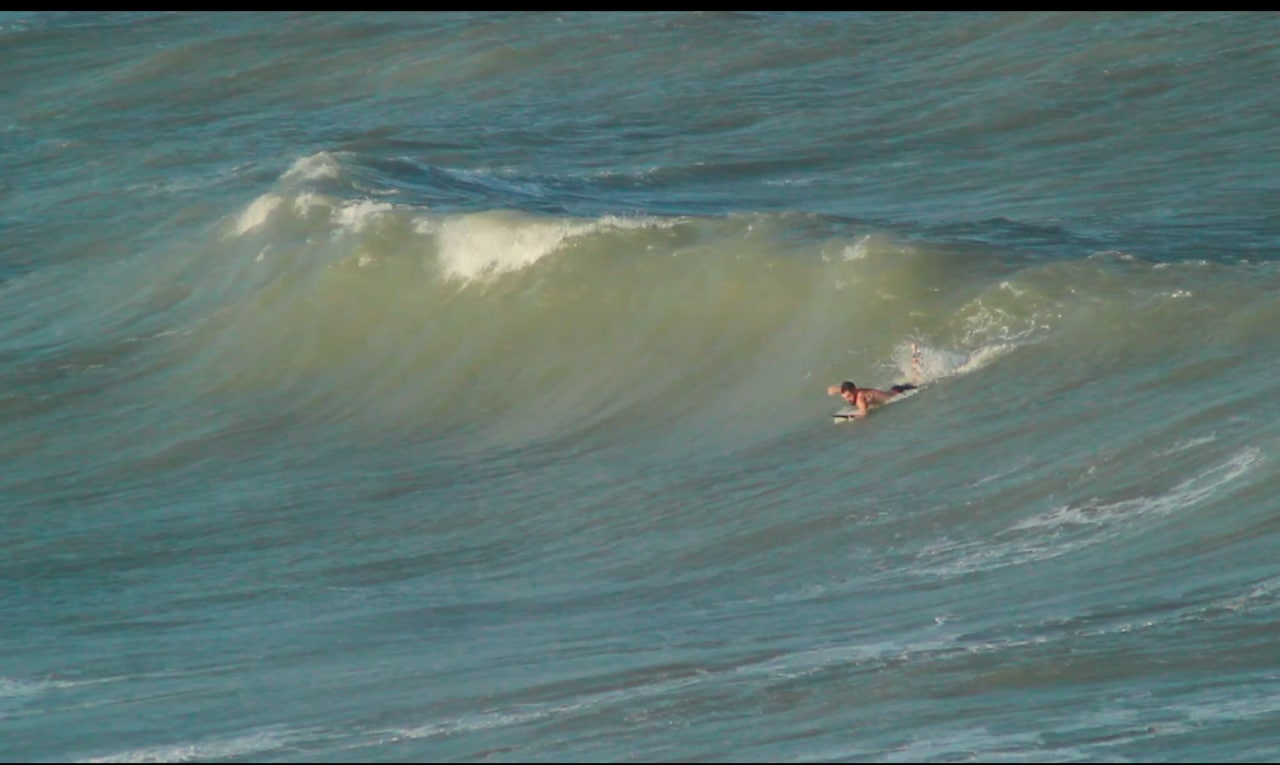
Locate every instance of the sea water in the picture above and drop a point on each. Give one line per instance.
(452, 386)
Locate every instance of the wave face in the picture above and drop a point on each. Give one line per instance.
(454, 386)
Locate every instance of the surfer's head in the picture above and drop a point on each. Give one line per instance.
(848, 391)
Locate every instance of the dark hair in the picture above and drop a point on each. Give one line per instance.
(848, 387)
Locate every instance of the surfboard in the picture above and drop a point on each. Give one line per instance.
(848, 414)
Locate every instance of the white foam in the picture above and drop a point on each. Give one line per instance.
(816, 660)
(1262, 596)
(520, 714)
(477, 722)
(15, 688)
(635, 224)
(858, 250)
(1120, 255)
(1184, 495)
(257, 213)
(491, 243)
(921, 363)
(355, 216)
(217, 749)
(10, 688)
(1098, 521)
(305, 203)
(973, 744)
(1229, 706)
(1184, 445)
(1093, 731)
(952, 560)
(320, 166)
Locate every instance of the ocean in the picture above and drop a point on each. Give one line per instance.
(452, 386)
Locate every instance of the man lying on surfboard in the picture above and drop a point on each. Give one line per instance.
(865, 398)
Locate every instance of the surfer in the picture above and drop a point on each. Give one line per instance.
(864, 398)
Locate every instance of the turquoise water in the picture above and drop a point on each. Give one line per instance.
(452, 386)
